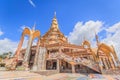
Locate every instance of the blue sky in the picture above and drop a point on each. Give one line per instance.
(14, 14)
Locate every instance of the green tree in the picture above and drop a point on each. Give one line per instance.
(7, 54)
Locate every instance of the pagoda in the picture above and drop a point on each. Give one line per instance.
(54, 53)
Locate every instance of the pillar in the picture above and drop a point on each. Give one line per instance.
(73, 68)
(45, 62)
(35, 65)
(58, 65)
(27, 54)
(108, 63)
(113, 59)
(19, 46)
(104, 61)
(112, 64)
(101, 64)
(44, 58)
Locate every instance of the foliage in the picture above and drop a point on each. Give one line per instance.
(4, 55)
(20, 68)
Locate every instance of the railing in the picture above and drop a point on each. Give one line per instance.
(90, 63)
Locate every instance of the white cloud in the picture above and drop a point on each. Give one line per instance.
(113, 38)
(85, 30)
(7, 45)
(114, 28)
(31, 2)
(88, 30)
(1, 33)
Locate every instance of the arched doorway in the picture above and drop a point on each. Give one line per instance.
(65, 67)
(51, 64)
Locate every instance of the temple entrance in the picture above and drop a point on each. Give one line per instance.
(51, 65)
(54, 65)
(65, 67)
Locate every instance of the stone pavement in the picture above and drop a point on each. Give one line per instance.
(77, 76)
(26, 75)
(19, 75)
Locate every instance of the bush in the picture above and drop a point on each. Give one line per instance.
(20, 68)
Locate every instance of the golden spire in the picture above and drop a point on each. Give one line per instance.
(54, 22)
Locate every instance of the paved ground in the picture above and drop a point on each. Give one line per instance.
(25, 75)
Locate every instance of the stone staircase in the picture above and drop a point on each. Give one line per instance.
(88, 63)
(111, 71)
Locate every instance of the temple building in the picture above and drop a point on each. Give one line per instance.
(54, 52)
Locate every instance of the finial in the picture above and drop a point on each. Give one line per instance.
(55, 14)
(34, 26)
(96, 36)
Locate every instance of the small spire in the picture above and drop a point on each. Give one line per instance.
(33, 28)
(96, 36)
(55, 14)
